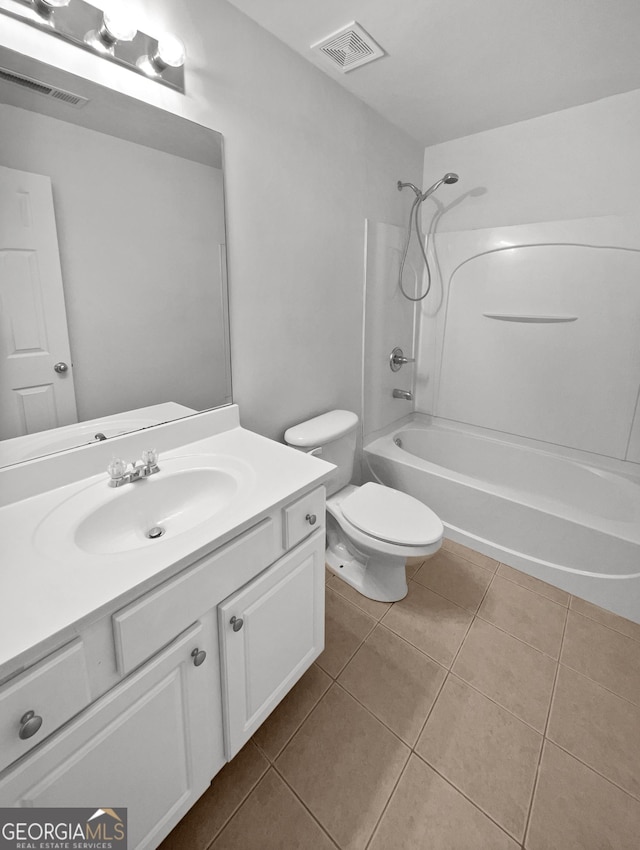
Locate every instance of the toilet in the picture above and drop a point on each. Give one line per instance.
(371, 529)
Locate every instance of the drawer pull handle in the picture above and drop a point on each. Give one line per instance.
(29, 725)
(237, 623)
(198, 656)
(311, 519)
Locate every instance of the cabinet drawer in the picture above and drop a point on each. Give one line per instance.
(55, 690)
(149, 623)
(302, 517)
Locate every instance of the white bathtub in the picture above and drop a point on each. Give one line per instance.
(557, 517)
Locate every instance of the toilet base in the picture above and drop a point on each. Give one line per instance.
(379, 577)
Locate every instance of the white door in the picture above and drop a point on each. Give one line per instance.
(33, 323)
(271, 631)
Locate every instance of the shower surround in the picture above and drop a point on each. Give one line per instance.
(526, 438)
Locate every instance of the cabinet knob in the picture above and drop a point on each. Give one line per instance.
(311, 519)
(198, 656)
(237, 623)
(29, 725)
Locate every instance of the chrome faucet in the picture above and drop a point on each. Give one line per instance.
(407, 395)
(121, 472)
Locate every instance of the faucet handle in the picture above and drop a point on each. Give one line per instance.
(116, 468)
(150, 457)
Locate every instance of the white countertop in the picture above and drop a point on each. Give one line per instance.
(43, 593)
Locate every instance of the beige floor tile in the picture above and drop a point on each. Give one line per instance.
(412, 566)
(598, 727)
(343, 764)
(345, 628)
(272, 818)
(471, 555)
(426, 812)
(607, 618)
(369, 606)
(429, 621)
(230, 787)
(576, 809)
(279, 727)
(394, 681)
(514, 674)
(524, 614)
(328, 575)
(541, 587)
(606, 656)
(485, 751)
(455, 578)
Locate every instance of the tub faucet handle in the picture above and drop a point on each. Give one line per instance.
(397, 359)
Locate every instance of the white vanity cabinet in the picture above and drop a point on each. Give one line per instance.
(143, 706)
(270, 632)
(148, 745)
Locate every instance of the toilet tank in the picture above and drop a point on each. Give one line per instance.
(334, 433)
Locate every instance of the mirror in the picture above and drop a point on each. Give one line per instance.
(113, 291)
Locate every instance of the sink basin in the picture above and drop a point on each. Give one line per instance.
(187, 492)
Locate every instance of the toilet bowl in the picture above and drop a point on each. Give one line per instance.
(371, 529)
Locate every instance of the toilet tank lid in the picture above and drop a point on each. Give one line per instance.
(321, 429)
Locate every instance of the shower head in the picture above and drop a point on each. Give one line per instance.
(449, 177)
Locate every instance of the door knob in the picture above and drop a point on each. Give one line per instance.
(61, 367)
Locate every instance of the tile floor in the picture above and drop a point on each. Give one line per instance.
(485, 711)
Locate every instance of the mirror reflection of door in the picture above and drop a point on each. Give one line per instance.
(36, 390)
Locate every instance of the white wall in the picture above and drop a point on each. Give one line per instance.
(306, 164)
(572, 177)
(127, 263)
(577, 163)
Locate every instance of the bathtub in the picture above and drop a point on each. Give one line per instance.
(565, 518)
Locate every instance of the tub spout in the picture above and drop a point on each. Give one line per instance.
(407, 395)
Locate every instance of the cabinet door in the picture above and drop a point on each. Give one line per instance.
(149, 745)
(270, 633)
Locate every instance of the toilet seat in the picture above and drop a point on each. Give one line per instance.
(390, 515)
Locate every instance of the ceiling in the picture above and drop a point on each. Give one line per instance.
(456, 67)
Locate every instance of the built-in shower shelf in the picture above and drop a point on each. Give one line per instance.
(529, 317)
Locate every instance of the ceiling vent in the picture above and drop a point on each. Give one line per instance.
(68, 97)
(349, 48)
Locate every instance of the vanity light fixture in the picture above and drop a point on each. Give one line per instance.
(114, 28)
(112, 35)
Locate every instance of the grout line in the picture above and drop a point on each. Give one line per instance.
(469, 800)
(636, 705)
(389, 798)
(495, 702)
(239, 806)
(306, 808)
(594, 770)
(412, 645)
(507, 632)
(537, 593)
(604, 626)
(375, 716)
(546, 729)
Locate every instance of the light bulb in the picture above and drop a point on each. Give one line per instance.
(119, 26)
(114, 28)
(170, 51)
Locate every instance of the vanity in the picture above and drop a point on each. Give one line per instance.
(133, 667)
